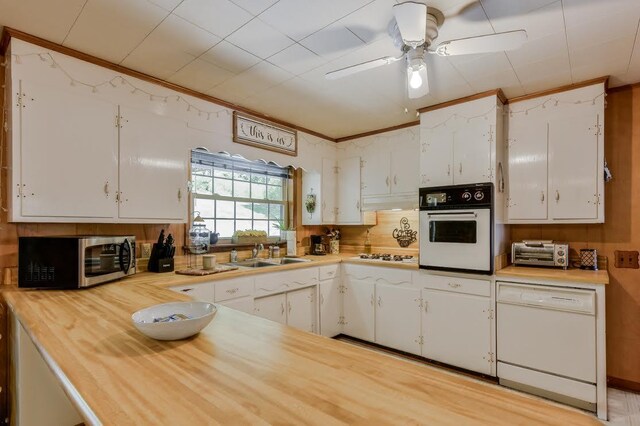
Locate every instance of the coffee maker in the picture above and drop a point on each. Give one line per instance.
(317, 246)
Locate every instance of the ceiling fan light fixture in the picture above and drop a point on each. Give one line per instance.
(415, 81)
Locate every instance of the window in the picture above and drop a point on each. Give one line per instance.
(233, 194)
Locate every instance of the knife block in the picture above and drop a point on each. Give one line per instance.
(157, 264)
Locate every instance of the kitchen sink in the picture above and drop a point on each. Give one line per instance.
(259, 263)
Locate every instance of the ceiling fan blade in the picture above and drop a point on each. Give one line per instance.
(509, 40)
(421, 90)
(375, 63)
(411, 18)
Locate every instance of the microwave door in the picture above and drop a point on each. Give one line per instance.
(103, 261)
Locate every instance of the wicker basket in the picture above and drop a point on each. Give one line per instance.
(248, 240)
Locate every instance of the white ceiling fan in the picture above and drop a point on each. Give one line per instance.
(413, 30)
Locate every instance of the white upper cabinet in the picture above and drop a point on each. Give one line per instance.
(329, 199)
(556, 158)
(405, 166)
(153, 167)
(64, 156)
(348, 191)
(459, 144)
(376, 170)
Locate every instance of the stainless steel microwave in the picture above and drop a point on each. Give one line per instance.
(65, 262)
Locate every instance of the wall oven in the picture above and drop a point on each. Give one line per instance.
(74, 261)
(456, 228)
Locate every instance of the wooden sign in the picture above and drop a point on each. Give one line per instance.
(254, 131)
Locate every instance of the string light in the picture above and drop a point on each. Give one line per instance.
(46, 57)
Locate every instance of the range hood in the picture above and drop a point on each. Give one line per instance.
(372, 203)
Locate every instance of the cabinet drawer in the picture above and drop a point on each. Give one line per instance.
(202, 292)
(233, 288)
(378, 274)
(455, 284)
(329, 272)
(284, 281)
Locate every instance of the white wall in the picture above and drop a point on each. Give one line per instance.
(212, 131)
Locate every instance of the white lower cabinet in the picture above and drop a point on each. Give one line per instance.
(295, 308)
(330, 307)
(457, 330)
(397, 318)
(359, 313)
(273, 308)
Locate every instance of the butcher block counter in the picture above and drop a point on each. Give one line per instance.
(242, 369)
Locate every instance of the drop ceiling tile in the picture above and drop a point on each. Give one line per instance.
(253, 81)
(200, 75)
(371, 21)
(537, 22)
(333, 41)
(50, 20)
(230, 57)
(172, 45)
(260, 39)
(167, 4)
(110, 29)
(546, 74)
(610, 58)
(603, 28)
(537, 50)
(219, 17)
(471, 22)
(300, 18)
(296, 59)
(255, 7)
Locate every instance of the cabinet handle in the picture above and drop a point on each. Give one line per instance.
(321, 299)
(373, 301)
(186, 290)
(557, 195)
(395, 179)
(542, 196)
(448, 169)
(106, 188)
(289, 303)
(379, 301)
(232, 290)
(425, 305)
(282, 306)
(454, 285)
(460, 168)
(387, 180)
(179, 195)
(358, 205)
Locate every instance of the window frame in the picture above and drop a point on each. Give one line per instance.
(286, 203)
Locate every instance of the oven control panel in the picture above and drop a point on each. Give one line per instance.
(458, 196)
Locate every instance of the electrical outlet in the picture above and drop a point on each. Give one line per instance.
(145, 250)
(626, 259)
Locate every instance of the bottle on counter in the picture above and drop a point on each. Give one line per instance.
(367, 244)
(233, 257)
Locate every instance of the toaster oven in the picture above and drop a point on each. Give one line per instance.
(540, 253)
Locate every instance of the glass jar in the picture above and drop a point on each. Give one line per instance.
(199, 235)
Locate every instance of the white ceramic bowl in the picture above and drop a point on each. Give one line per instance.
(200, 314)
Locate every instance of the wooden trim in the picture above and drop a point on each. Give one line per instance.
(623, 88)
(241, 140)
(375, 132)
(9, 33)
(564, 88)
(623, 384)
(495, 92)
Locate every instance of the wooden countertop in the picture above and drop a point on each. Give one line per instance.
(245, 370)
(568, 275)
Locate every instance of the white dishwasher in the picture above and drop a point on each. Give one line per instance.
(546, 341)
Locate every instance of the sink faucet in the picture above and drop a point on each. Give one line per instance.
(256, 250)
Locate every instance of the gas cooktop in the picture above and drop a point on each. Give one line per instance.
(386, 257)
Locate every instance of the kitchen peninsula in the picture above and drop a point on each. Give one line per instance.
(241, 369)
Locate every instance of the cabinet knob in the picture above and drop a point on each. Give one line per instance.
(454, 285)
(358, 205)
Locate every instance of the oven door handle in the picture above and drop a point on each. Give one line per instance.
(449, 216)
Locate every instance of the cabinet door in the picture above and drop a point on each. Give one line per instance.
(436, 156)
(301, 309)
(311, 186)
(528, 197)
(348, 189)
(457, 329)
(328, 206)
(272, 308)
(405, 166)
(573, 167)
(359, 320)
(330, 307)
(244, 304)
(375, 169)
(68, 150)
(202, 292)
(398, 317)
(472, 152)
(153, 166)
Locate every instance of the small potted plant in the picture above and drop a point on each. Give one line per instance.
(288, 234)
(250, 236)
